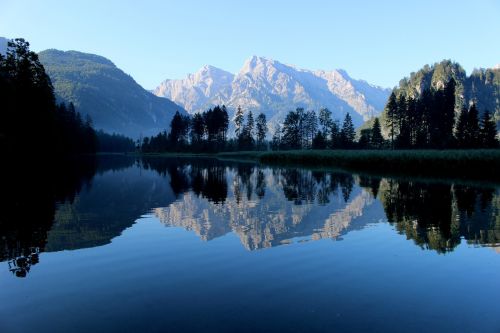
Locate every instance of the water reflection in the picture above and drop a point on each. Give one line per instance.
(264, 207)
(31, 197)
(436, 216)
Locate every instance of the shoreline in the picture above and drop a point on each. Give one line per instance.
(481, 164)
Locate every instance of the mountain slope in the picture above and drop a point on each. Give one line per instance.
(268, 86)
(112, 98)
(196, 91)
(481, 87)
(3, 45)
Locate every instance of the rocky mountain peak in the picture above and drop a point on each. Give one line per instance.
(269, 86)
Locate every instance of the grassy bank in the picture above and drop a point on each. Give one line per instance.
(478, 164)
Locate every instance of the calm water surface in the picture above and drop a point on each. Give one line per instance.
(179, 245)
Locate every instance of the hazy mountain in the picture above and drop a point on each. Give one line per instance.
(196, 91)
(265, 85)
(112, 98)
(3, 45)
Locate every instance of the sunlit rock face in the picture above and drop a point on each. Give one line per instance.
(266, 208)
(268, 86)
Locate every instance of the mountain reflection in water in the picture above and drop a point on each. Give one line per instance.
(263, 206)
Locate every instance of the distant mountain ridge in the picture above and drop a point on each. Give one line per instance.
(268, 86)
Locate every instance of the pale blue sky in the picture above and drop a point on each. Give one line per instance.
(379, 41)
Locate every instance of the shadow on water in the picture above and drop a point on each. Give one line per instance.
(87, 202)
(32, 192)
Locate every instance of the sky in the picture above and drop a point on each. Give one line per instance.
(377, 41)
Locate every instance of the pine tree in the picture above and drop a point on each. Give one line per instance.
(238, 121)
(488, 131)
(292, 131)
(365, 138)
(347, 133)
(325, 121)
(473, 127)
(461, 131)
(276, 140)
(391, 120)
(261, 128)
(335, 135)
(448, 117)
(250, 125)
(377, 140)
(403, 126)
(197, 128)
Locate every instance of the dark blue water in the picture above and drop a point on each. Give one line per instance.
(201, 245)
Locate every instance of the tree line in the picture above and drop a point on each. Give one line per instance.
(207, 132)
(31, 122)
(430, 121)
(426, 122)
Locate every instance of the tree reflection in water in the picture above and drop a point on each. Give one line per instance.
(264, 206)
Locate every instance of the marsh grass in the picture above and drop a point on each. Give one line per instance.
(477, 164)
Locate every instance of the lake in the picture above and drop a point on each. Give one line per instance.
(185, 245)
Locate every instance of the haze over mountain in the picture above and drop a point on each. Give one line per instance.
(112, 98)
(3, 45)
(268, 86)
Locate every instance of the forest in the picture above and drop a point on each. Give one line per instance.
(427, 122)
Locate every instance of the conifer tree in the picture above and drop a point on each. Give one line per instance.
(377, 140)
(347, 133)
(238, 121)
(261, 129)
(391, 121)
(473, 127)
(488, 131)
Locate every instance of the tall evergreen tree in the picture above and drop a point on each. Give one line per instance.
(325, 121)
(488, 131)
(335, 135)
(473, 127)
(179, 128)
(462, 131)
(403, 125)
(377, 140)
(292, 131)
(310, 125)
(238, 122)
(197, 128)
(276, 140)
(347, 133)
(250, 126)
(261, 129)
(365, 138)
(391, 120)
(448, 117)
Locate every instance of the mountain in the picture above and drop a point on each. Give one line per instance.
(196, 91)
(481, 87)
(268, 86)
(3, 45)
(112, 98)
